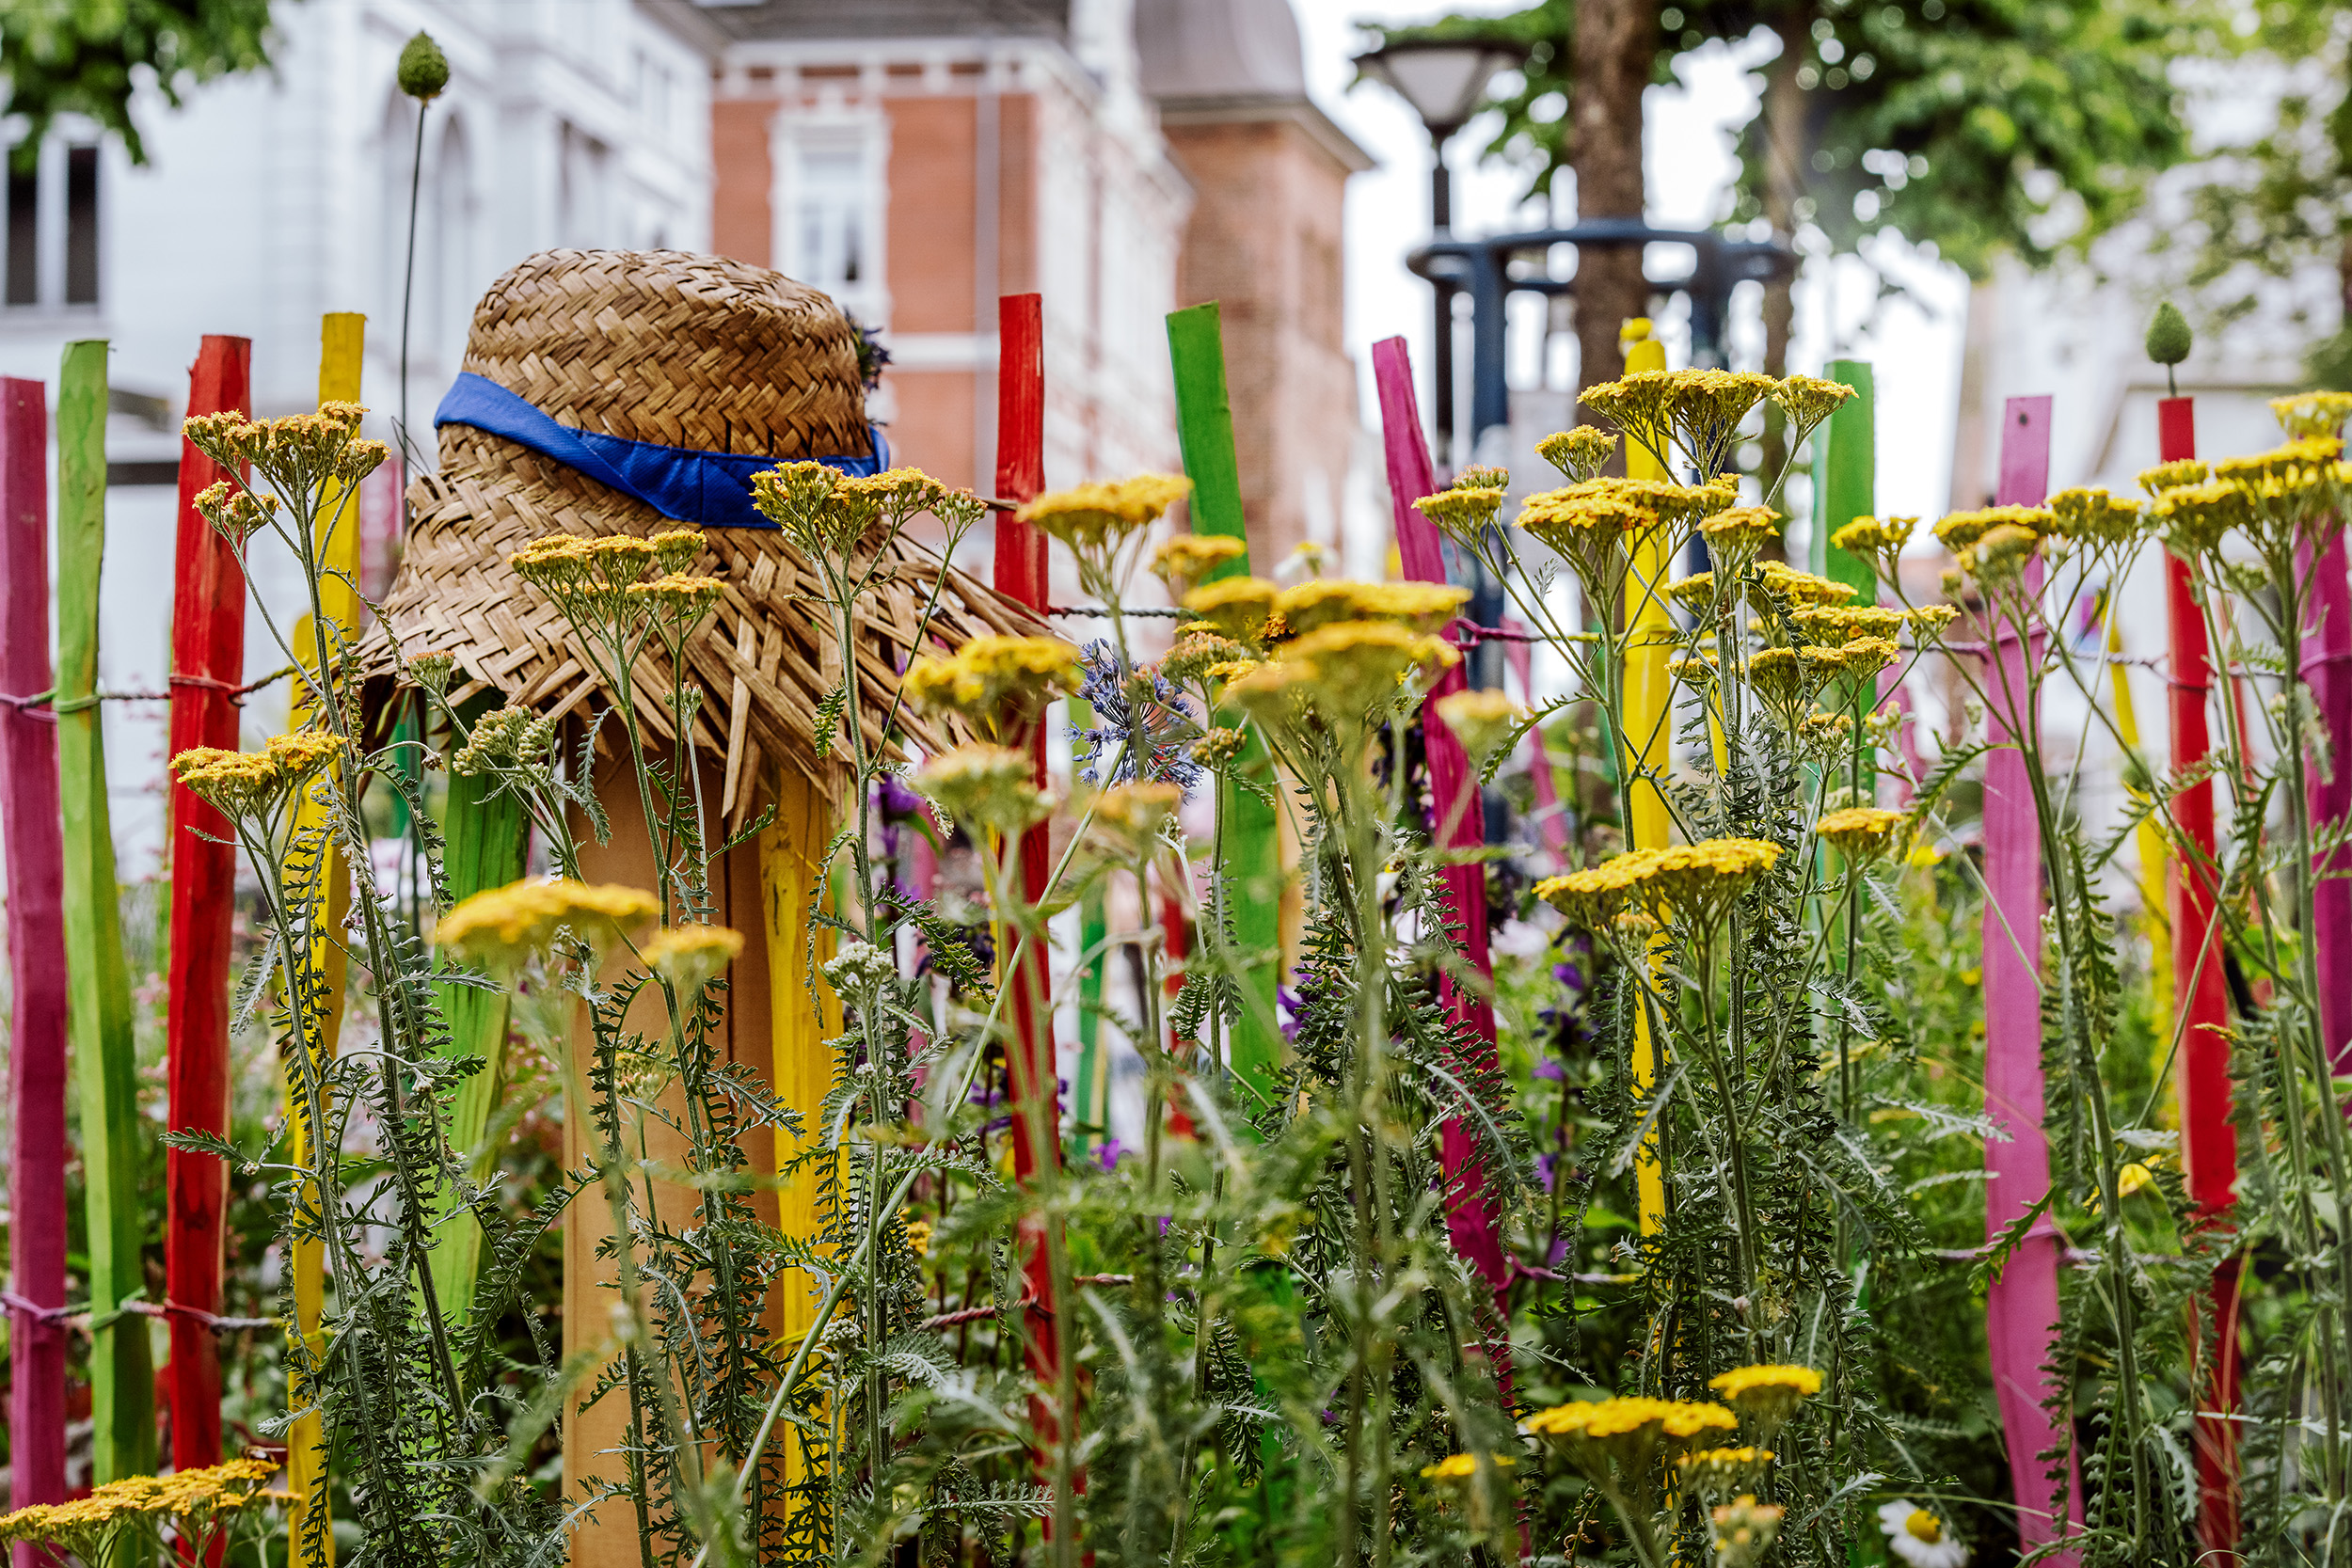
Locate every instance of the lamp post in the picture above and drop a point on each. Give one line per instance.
(1443, 83)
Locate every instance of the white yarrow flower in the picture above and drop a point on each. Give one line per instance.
(1919, 1536)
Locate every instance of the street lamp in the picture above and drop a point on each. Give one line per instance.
(1443, 83)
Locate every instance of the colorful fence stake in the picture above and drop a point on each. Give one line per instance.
(2021, 1312)
(801, 1017)
(1472, 1218)
(2201, 1007)
(341, 340)
(2148, 839)
(1021, 573)
(1647, 740)
(1251, 871)
(2327, 669)
(114, 1145)
(37, 981)
(485, 837)
(207, 660)
(1845, 477)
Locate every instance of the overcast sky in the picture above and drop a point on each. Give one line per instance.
(1914, 352)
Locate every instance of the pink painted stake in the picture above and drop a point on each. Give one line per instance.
(1550, 818)
(2327, 671)
(31, 822)
(2022, 1314)
(1474, 1219)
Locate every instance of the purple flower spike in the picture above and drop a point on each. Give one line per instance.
(1108, 1154)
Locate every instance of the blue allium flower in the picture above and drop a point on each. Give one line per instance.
(1141, 718)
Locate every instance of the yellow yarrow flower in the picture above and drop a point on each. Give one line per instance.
(1884, 536)
(2089, 515)
(1724, 1472)
(999, 685)
(1483, 721)
(1088, 516)
(1190, 556)
(1578, 453)
(1129, 819)
(1767, 1394)
(2303, 415)
(1802, 588)
(687, 956)
(1860, 833)
(504, 925)
(1422, 607)
(1462, 511)
(986, 786)
(1236, 607)
(1461, 1467)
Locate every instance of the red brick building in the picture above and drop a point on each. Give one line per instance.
(1120, 157)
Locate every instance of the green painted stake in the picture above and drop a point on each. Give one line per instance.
(1845, 479)
(1252, 872)
(1090, 1102)
(484, 850)
(97, 986)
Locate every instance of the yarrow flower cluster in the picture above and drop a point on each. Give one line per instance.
(1860, 833)
(300, 454)
(1484, 721)
(688, 955)
(1187, 558)
(249, 785)
(1766, 1395)
(1578, 453)
(1697, 881)
(1090, 517)
(1000, 685)
(505, 927)
(985, 786)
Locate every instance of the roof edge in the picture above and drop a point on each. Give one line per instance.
(1267, 109)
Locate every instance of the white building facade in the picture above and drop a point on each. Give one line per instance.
(274, 197)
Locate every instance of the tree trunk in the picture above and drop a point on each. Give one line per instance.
(1615, 42)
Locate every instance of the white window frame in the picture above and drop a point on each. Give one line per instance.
(867, 134)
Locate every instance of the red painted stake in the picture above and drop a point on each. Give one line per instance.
(2201, 1002)
(207, 658)
(30, 820)
(1473, 1218)
(1021, 574)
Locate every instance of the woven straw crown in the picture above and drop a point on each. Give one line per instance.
(685, 351)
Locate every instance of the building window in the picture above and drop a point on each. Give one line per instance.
(829, 213)
(53, 254)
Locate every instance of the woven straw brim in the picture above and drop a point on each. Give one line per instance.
(765, 662)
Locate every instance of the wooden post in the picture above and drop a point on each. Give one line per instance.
(2200, 1005)
(1645, 746)
(207, 659)
(1252, 872)
(2021, 1310)
(36, 1036)
(1845, 477)
(341, 339)
(1022, 575)
(803, 1014)
(122, 1377)
(2326, 666)
(1473, 1218)
(485, 832)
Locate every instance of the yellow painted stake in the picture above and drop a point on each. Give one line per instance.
(800, 1065)
(342, 339)
(2156, 910)
(1648, 735)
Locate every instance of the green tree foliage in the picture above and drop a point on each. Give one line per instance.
(83, 56)
(1983, 126)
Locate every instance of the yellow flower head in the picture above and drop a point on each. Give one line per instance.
(2176, 475)
(1415, 606)
(1463, 511)
(1197, 652)
(1766, 1395)
(985, 786)
(1744, 1532)
(1929, 620)
(2195, 517)
(799, 498)
(1960, 530)
(235, 512)
(687, 956)
(1884, 536)
(2308, 414)
(1578, 453)
(505, 926)
(1807, 400)
(1187, 558)
(1835, 625)
(1740, 530)
(1236, 607)
(1107, 511)
(1860, 833)
(2090, 515)
(1483, 721)
(1696, 671)
(1802, 587)
(1724, 1472)
(1867, 655)
(1694, 593)
(999, 685)
(1129, 819)
(677, 598)
(238, 785)
(1218, 746)
(1355, 665)
(677, 548)
(1707, 407)
(1625, 1435)
(1461, 1467)
(1641, 405)
(510, 736)
(2000, 553)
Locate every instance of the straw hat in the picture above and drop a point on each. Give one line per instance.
(685, 351)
